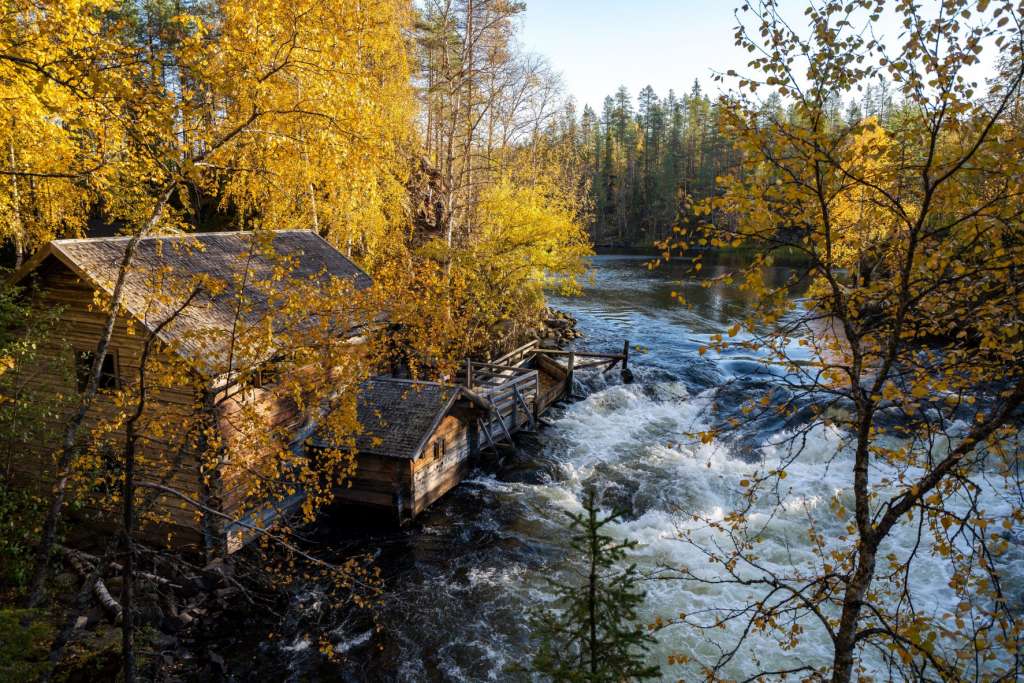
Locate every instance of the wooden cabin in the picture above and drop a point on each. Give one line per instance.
(417, 443)
(69, 274)
(418, 439)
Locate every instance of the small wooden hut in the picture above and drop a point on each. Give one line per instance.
(417, 443)
(418, 438)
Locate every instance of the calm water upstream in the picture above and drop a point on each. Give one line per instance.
(461, 579)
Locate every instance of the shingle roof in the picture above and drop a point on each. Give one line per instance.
(226, 256)
(397, 416)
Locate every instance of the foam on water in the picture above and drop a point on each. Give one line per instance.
(630, 435)
(627, 437)
(470, 602)
(464, 577)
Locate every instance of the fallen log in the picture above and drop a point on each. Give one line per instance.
(99, 589)
(92, 559)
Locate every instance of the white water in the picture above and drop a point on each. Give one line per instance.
(462, 580)
(624, 441)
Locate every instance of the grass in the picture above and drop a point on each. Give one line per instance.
(25, 637)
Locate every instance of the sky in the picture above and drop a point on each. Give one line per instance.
(599, 45)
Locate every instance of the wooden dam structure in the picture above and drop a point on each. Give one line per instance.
(420, 438)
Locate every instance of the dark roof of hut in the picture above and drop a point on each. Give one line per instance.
(164, 263)
(398, 416)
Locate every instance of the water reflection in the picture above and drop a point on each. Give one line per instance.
(626, 300)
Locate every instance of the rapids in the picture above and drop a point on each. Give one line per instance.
(461, 579)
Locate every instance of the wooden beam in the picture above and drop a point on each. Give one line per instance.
(485, 427)
(501, 421)
(581, 354)
(526, 407)
(548, 365)
(519, 353)
(569, 373)
(597, 364)
(497, 366)
(536, 403)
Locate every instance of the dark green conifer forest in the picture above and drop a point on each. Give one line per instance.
(647, 159)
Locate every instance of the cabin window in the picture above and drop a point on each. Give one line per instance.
(440, 448)
(269, 373)
(266, 375)
(108, 373)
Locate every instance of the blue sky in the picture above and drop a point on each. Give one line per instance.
(601, 44)
(598, 45)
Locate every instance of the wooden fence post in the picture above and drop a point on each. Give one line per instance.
(536, 401)
(515, 408)
(626, 373)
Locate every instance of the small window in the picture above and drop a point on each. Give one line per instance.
(439, 448)
(108, 373)
(266, 375)
(269, 373)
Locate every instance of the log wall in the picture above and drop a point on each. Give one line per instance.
(166, 452)
(435, 473)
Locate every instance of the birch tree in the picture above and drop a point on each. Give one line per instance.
(223, 107)
(909, 342)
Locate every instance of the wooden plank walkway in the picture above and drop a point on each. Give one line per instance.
(420, 437)
(523, 384)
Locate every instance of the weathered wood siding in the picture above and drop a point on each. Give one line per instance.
(247, 456)
(379, 482)
(434, 475)
(405, 487)
(513, 402)
(165, 455)
(553, 381)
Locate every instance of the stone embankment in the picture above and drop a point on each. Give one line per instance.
(558, 328)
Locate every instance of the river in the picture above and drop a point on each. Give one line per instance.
(460, 581)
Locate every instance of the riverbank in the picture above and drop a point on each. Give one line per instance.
(557, 328)
(785, 257)
(172, 616)
(459, 580)
(175, 613)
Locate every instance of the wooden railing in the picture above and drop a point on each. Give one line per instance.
(517, 356)
(604, 358)
(512, 363)
(513, 404)
(477, 373)
(513, 391)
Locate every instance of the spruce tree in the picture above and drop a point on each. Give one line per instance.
(591, 633)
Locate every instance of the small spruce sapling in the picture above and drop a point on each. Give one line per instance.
(591, 634)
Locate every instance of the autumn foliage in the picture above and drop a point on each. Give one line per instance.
(909, 334)
(149, 118)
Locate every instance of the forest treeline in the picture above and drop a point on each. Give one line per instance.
(648, 160)
(423, 142)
